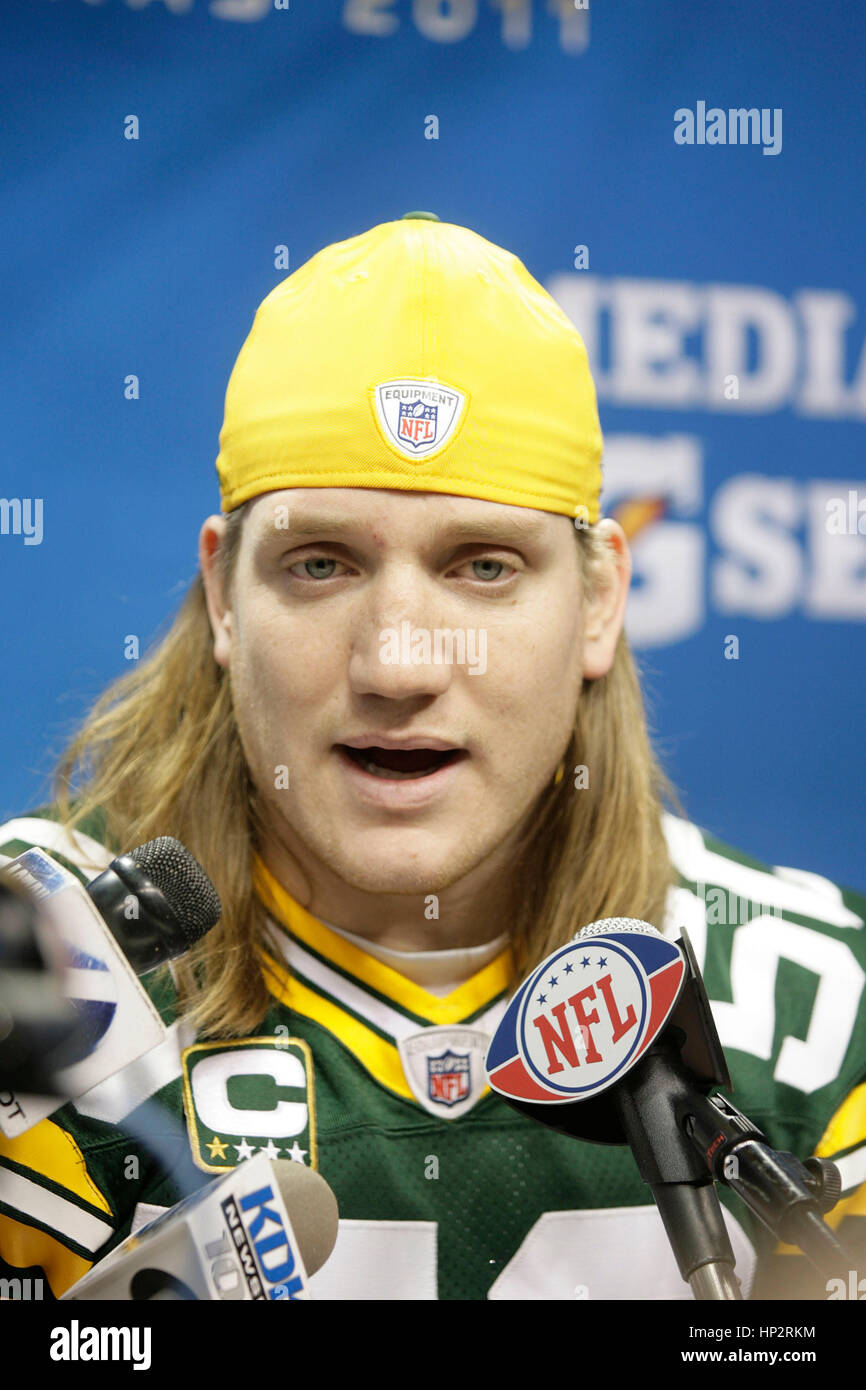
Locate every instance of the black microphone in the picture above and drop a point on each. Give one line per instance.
(157, 901)
(147, 908)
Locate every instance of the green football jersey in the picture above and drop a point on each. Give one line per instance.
(444, 1190)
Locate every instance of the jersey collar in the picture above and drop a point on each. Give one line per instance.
(298, 925)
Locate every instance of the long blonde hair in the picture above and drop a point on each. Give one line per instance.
(160, 754)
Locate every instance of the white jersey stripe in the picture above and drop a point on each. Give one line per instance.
(373, 1010)
(808, 895)
(65, 1218)
(852, 1168)
(388, 1020)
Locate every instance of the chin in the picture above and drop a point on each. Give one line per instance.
(398, 872)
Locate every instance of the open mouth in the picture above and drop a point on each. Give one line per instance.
(400, 764)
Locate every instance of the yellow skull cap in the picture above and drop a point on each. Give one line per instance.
(416, 356)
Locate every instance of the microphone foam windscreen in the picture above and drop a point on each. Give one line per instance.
(312, 1209)
(612, 924)
(183, 882)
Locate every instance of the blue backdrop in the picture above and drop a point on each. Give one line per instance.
(156, 156)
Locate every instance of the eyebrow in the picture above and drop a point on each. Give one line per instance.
(527, 528)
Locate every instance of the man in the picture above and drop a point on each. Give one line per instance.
(398, 723)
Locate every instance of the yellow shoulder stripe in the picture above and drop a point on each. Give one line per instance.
(474, 994)
(852, 1205)
(846, 1128)
(848, 1125)
(381, 1059)
(23, 1246)
(49, 1150)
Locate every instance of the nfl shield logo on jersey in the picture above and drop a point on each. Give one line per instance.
(417, 417)
(448, 1077)
(445, 1068)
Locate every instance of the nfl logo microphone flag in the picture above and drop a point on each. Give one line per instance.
(586, 1014)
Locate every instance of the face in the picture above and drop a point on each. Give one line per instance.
(371, 617)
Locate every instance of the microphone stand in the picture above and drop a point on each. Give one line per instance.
(685, 1140)
(648, 1103)
(787, 1195)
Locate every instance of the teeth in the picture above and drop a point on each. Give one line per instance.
(390, 773)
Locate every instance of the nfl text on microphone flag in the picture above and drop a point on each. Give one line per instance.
(586, 1014)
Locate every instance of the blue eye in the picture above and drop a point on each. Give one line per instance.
(318, 560)
(496, 563)
(320, 568)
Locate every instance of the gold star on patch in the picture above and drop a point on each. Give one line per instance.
(217, 1147)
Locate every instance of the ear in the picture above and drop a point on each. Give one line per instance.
(604, 614)
(209, 543)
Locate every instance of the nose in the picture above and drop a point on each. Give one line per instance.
(395, 646)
